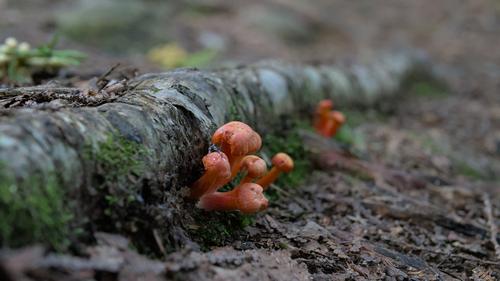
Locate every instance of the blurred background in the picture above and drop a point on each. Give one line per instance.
(452, 31)
(461, 37)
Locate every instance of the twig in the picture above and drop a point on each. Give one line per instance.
(451, 274)
(159, 242)
(107, 73)
(488, 211)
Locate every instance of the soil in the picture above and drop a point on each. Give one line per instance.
(412, 195)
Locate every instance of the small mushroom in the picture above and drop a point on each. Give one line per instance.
(335, 121)
(217, 174)
(254, 166)
(236, 140)
(247, 198)
(282, 163)
(339, 119)
(321, 116)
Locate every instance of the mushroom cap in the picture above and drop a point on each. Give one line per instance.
(324, 106)
(254, 165)
(217, 162)
(283, 162)
(242, 140)
(251, 198)
(338, 116)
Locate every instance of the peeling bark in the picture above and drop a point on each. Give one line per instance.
(172, 116)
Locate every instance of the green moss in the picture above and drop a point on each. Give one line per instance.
(217, 228)
(233, 113)
(290, 143)
(118, 164)
(351, 137)
(423, 83)
(428, 89)
(154, 89)
(463, 168)
(34, 211)
(355, 118)
(118, 157)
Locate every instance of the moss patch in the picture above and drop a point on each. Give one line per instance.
(349, 134)
(218, 229)
(289, 142)
(428, 89)
(424, 84)
(464, 169)
(117, 157)
(33, 211)
(118, 165)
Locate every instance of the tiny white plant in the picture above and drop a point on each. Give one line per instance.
(24, 47)
(11, 42)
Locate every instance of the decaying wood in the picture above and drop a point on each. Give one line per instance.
(49, 132)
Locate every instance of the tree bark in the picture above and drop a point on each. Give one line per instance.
(166, 121)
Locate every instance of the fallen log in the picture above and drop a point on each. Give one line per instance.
(79, 159)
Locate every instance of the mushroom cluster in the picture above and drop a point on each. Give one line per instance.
(326, 120)
(237, 142)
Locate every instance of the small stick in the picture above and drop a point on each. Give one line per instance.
(159, 242)
(488, 211)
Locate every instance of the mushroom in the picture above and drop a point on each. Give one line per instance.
(247, 198)
(282, 162)
(236, 140)
(254, 166)
(217, 174)
(322, 113)
(336, 119)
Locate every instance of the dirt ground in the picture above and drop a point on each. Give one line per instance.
(419, 200)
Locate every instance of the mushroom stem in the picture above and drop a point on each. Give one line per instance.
(322, 113)
(282, 162)
(247, 198)
(269, 178)
(217, 174)
(236, 164)
(247, 179)
(335, 121)
(219, 201)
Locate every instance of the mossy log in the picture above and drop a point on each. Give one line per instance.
(119, 163)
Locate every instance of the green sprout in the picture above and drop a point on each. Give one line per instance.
(19, 62)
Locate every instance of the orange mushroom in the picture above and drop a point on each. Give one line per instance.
(217, 174)
(236, 140)
(254, 166)
(282, 163)
(247, 198)
(335, 122)
(321, 116)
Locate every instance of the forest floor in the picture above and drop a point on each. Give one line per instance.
(411, 192)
